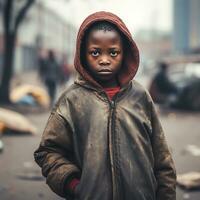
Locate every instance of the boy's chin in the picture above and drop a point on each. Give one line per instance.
(107, 81)
(105, 78)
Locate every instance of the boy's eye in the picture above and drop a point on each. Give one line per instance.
(94, 53)
(113, 53)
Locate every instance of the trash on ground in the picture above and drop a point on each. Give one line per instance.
(189, 181)
(2, 127)
(30, 172)
(15, 122)
(1, 146)
(193, 149)
(30, 95)
(27, 99)
(186, 196)
(31, 176)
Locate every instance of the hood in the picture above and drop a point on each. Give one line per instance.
(131, 55)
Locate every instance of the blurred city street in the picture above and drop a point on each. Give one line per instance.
(37, 48)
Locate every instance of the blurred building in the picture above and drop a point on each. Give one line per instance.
(154, 44)
(41, 30)
(1, 38)
(186, 30)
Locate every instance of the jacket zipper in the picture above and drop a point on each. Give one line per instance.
(114, 157)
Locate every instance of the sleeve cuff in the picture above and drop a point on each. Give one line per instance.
(70, 183)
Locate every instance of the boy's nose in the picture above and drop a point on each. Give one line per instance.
(104, 61)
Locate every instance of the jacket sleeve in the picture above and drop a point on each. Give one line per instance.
(55, 153)
(164, 168)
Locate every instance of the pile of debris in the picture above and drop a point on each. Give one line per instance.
(13, 122)
(30, 95)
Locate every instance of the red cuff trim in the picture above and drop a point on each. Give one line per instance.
(72, 185)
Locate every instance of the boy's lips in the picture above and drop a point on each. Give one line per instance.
(105, 71)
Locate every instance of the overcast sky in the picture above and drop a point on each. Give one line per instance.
(137, 14)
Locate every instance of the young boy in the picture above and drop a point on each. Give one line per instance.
(103, 140)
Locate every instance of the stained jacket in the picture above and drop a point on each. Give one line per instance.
(116, 147)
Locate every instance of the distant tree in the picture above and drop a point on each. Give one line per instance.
(12, 19)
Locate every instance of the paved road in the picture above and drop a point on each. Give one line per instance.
(16, 162)
(181, 128)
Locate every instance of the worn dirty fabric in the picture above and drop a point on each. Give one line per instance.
(116, 148)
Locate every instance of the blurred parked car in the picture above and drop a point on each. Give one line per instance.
(186, 78)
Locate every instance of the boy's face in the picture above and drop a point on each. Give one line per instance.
(104, 53)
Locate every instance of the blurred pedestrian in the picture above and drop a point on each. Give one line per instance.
(162, 89)
(50, 70)
(65, 72)
(103, 139)
(42, 65)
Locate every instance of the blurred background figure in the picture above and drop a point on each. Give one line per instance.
(162, 89)
(42, 64)
(64, 70)
(50, 71)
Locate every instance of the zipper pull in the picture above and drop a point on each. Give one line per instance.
(112, 104)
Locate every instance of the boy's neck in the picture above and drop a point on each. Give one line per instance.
(109, 84)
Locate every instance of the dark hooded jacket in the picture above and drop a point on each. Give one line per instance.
(116, 147)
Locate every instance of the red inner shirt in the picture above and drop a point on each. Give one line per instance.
(111, 91)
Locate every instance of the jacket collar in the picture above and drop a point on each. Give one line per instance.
(99, 90)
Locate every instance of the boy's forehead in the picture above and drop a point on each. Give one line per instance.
(102, 35)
